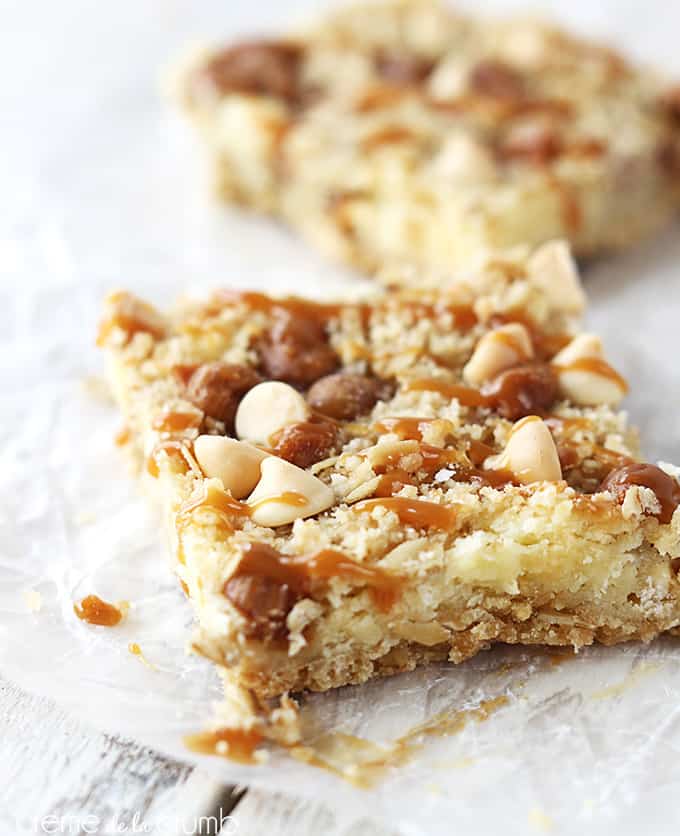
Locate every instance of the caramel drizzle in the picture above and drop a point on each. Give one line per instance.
(392, 481)
(132, 316)
(216, 500)
(404, 428)
(295, 305)
(595, 365)
(545, 345)
(505, 108)
(172, 421)
(390, 135)
(465, 395)
(665, 487)
(464, 316)
(297, 500)
(122, 437)
(175, 449)
(296, 571)
(417, 513)
(510, 341)
(434, 459)
(237, 745)
(94, 610)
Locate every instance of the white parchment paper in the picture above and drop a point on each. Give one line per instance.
(102, 187)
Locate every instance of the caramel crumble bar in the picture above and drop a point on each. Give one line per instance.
(355, 488)
(403, 132)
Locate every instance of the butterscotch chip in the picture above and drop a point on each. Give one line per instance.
(296, 350)
(402, 68)
(217, 388)
(266, 68)
(523, 390)
(496, 79)
(345, 396)
(305, 443)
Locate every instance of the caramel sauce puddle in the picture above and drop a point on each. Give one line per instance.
(237, 745)
(94, 610)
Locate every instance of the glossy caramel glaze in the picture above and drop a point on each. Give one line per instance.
(237, 745)
(597, 366)
(267, 584)
(214, 499)
(545, 345)
(131, 316)
(171, 421)
(96, 611)
(414, 512)
(407, 429)
(665, 487)
(295, 305)
(292, 498)
(392, 481)
(122, 437)
(178, 450)
(465, 395)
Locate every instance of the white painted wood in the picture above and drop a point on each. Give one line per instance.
(53, 766)
(261, 813)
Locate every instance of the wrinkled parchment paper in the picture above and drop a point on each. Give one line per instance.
(103, 187)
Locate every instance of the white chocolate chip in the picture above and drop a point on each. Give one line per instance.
(585, 345)
(236, 463)
(286, 493)
(464, 160)
(584, 377)
(268, 408)
(552, 269)
(449, 79)
(526, 44)
(530, 454)
(498, 350)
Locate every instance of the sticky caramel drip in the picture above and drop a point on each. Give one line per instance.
(510, 341)
(223, 506)
(211, 498)
(414, 512)
(265, 579)
(464, 316)
(297, 500)
(597, 366)
(237, 745)
(170, 422)
(122, 437)
(303, 308)
(177, 450)
(96, 611)
(131, 316)
(545, 345)
(465, 395)
(665, 487)
(405, 428)
(392, 481)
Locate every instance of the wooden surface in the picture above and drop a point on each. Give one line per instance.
(55, 772)
(52, 766)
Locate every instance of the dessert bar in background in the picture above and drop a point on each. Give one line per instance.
(403, 132)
